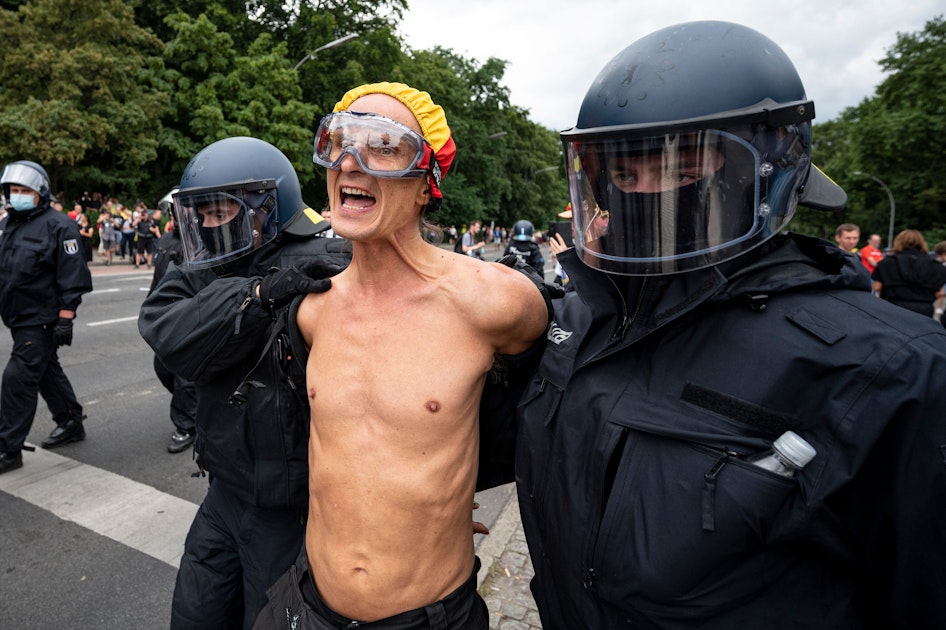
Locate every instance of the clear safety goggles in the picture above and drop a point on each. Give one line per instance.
(223, 223)
(382, 147)
(671, 203)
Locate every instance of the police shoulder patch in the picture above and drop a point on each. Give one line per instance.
(70, 246)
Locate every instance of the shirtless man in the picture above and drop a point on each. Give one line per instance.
(394, 436)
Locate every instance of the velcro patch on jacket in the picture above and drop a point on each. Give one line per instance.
(742, 411)
(819, 327)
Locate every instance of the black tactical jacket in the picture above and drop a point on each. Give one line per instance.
(42, 269)
(213, 331)
(639, 506)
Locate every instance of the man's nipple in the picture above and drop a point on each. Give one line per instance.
(432, 406)
(311, 393)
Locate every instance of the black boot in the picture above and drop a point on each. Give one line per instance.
(181, 440)
(10, 461)
(69, 431)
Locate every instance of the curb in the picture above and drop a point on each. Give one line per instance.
(491, 547)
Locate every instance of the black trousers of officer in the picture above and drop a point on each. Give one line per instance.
(183, 397)
(234, 551)
(33, 370)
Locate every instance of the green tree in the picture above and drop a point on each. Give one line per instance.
(499, 173)
(893, 136)
(229, 16)
(83, 106)
(218, 93)
(127, 111)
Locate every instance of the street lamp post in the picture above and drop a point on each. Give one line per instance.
(893, 206)
(331, 44)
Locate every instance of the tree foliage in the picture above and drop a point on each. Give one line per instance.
(217, 92)
(117, 96)
(495, 175)
(83, 106)
(893, 136)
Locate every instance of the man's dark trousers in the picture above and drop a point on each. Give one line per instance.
(33, 369)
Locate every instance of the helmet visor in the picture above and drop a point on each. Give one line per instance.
(24, 175)
(221, 224)
(382, 147)
(668, 203)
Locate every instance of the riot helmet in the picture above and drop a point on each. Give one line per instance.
(166, 203)
(523, 231)
(235, 196)
(692, 147)
(31, 175)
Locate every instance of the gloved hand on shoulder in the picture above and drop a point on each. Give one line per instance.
(549, 290)
(279, 286)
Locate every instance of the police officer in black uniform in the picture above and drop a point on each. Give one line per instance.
(249, 247)
(43, 277)
(698, 333)
(183, 410)
(522, 244)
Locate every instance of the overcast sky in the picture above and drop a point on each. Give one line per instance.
(556, 47)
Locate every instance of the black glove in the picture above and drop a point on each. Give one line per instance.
(279, 286)
(62, 332)
(549, 290)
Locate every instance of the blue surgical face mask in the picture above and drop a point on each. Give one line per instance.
(22, 202)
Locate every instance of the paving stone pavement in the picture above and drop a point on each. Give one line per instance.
(507, 569)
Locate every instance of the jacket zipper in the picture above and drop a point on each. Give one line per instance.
(709, 490)
(619, 440)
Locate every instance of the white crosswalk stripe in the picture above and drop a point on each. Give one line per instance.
(110, 505)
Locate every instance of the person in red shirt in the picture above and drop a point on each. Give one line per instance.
(871, 254)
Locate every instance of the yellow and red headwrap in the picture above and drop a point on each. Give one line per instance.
(430, 117)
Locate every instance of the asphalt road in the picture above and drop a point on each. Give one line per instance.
(91, 533)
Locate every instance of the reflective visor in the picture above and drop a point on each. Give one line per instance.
(673, 202)
(24, 175)
(220, 224)
(382, 147)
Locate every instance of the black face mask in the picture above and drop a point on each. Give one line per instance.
(220, 240)
(635, 227)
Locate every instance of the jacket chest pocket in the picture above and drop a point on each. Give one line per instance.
(24, 256)
(678, 514)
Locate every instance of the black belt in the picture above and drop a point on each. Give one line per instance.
(435, 616)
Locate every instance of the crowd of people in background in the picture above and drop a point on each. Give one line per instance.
(108, 228)
(908, 274)
(497, 236)
(914, 274)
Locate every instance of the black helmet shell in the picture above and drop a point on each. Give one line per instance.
(687, 71)
(262, 179)
(523, 231)
(717, 113)
(244, 159)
